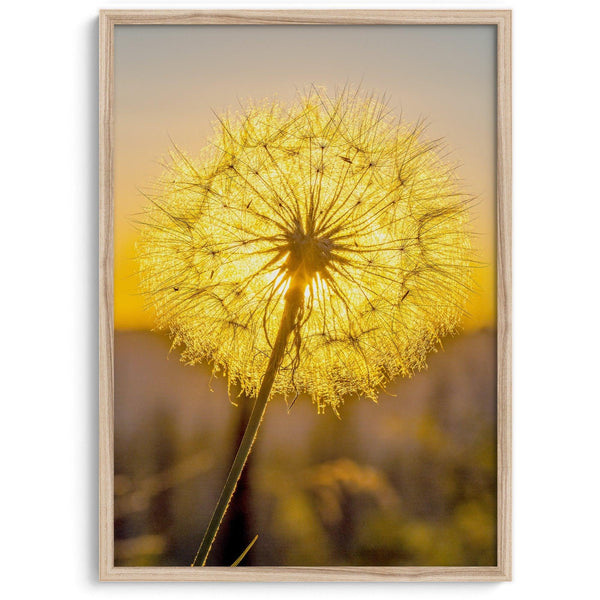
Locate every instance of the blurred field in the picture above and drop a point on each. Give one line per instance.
(408, 481)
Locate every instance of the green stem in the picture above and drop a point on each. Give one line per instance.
(293, 302)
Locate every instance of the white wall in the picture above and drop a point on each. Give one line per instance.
(48, 237)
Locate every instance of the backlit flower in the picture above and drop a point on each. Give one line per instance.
(333, 195)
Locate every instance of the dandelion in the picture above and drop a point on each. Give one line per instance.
(321, 249)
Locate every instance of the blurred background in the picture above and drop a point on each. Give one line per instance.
(410, 480)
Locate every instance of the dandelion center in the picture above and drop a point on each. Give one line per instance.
(308, 254)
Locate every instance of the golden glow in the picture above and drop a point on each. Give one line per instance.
(336, 195)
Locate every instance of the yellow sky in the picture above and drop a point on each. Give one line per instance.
(169, 79)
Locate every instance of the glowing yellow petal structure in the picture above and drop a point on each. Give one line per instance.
(334, 195)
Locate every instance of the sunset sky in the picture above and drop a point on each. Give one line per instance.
(170, 79)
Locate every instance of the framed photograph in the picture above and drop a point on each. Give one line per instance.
(305, 287)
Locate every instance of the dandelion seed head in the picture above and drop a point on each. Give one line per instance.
(334, 195)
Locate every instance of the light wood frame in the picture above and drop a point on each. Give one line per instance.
(502, 20)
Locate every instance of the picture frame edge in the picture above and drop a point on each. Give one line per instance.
(108, 19)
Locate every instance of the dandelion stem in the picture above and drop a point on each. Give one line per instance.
(293, 303)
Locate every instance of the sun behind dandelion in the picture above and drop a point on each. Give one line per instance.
(334, 200)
